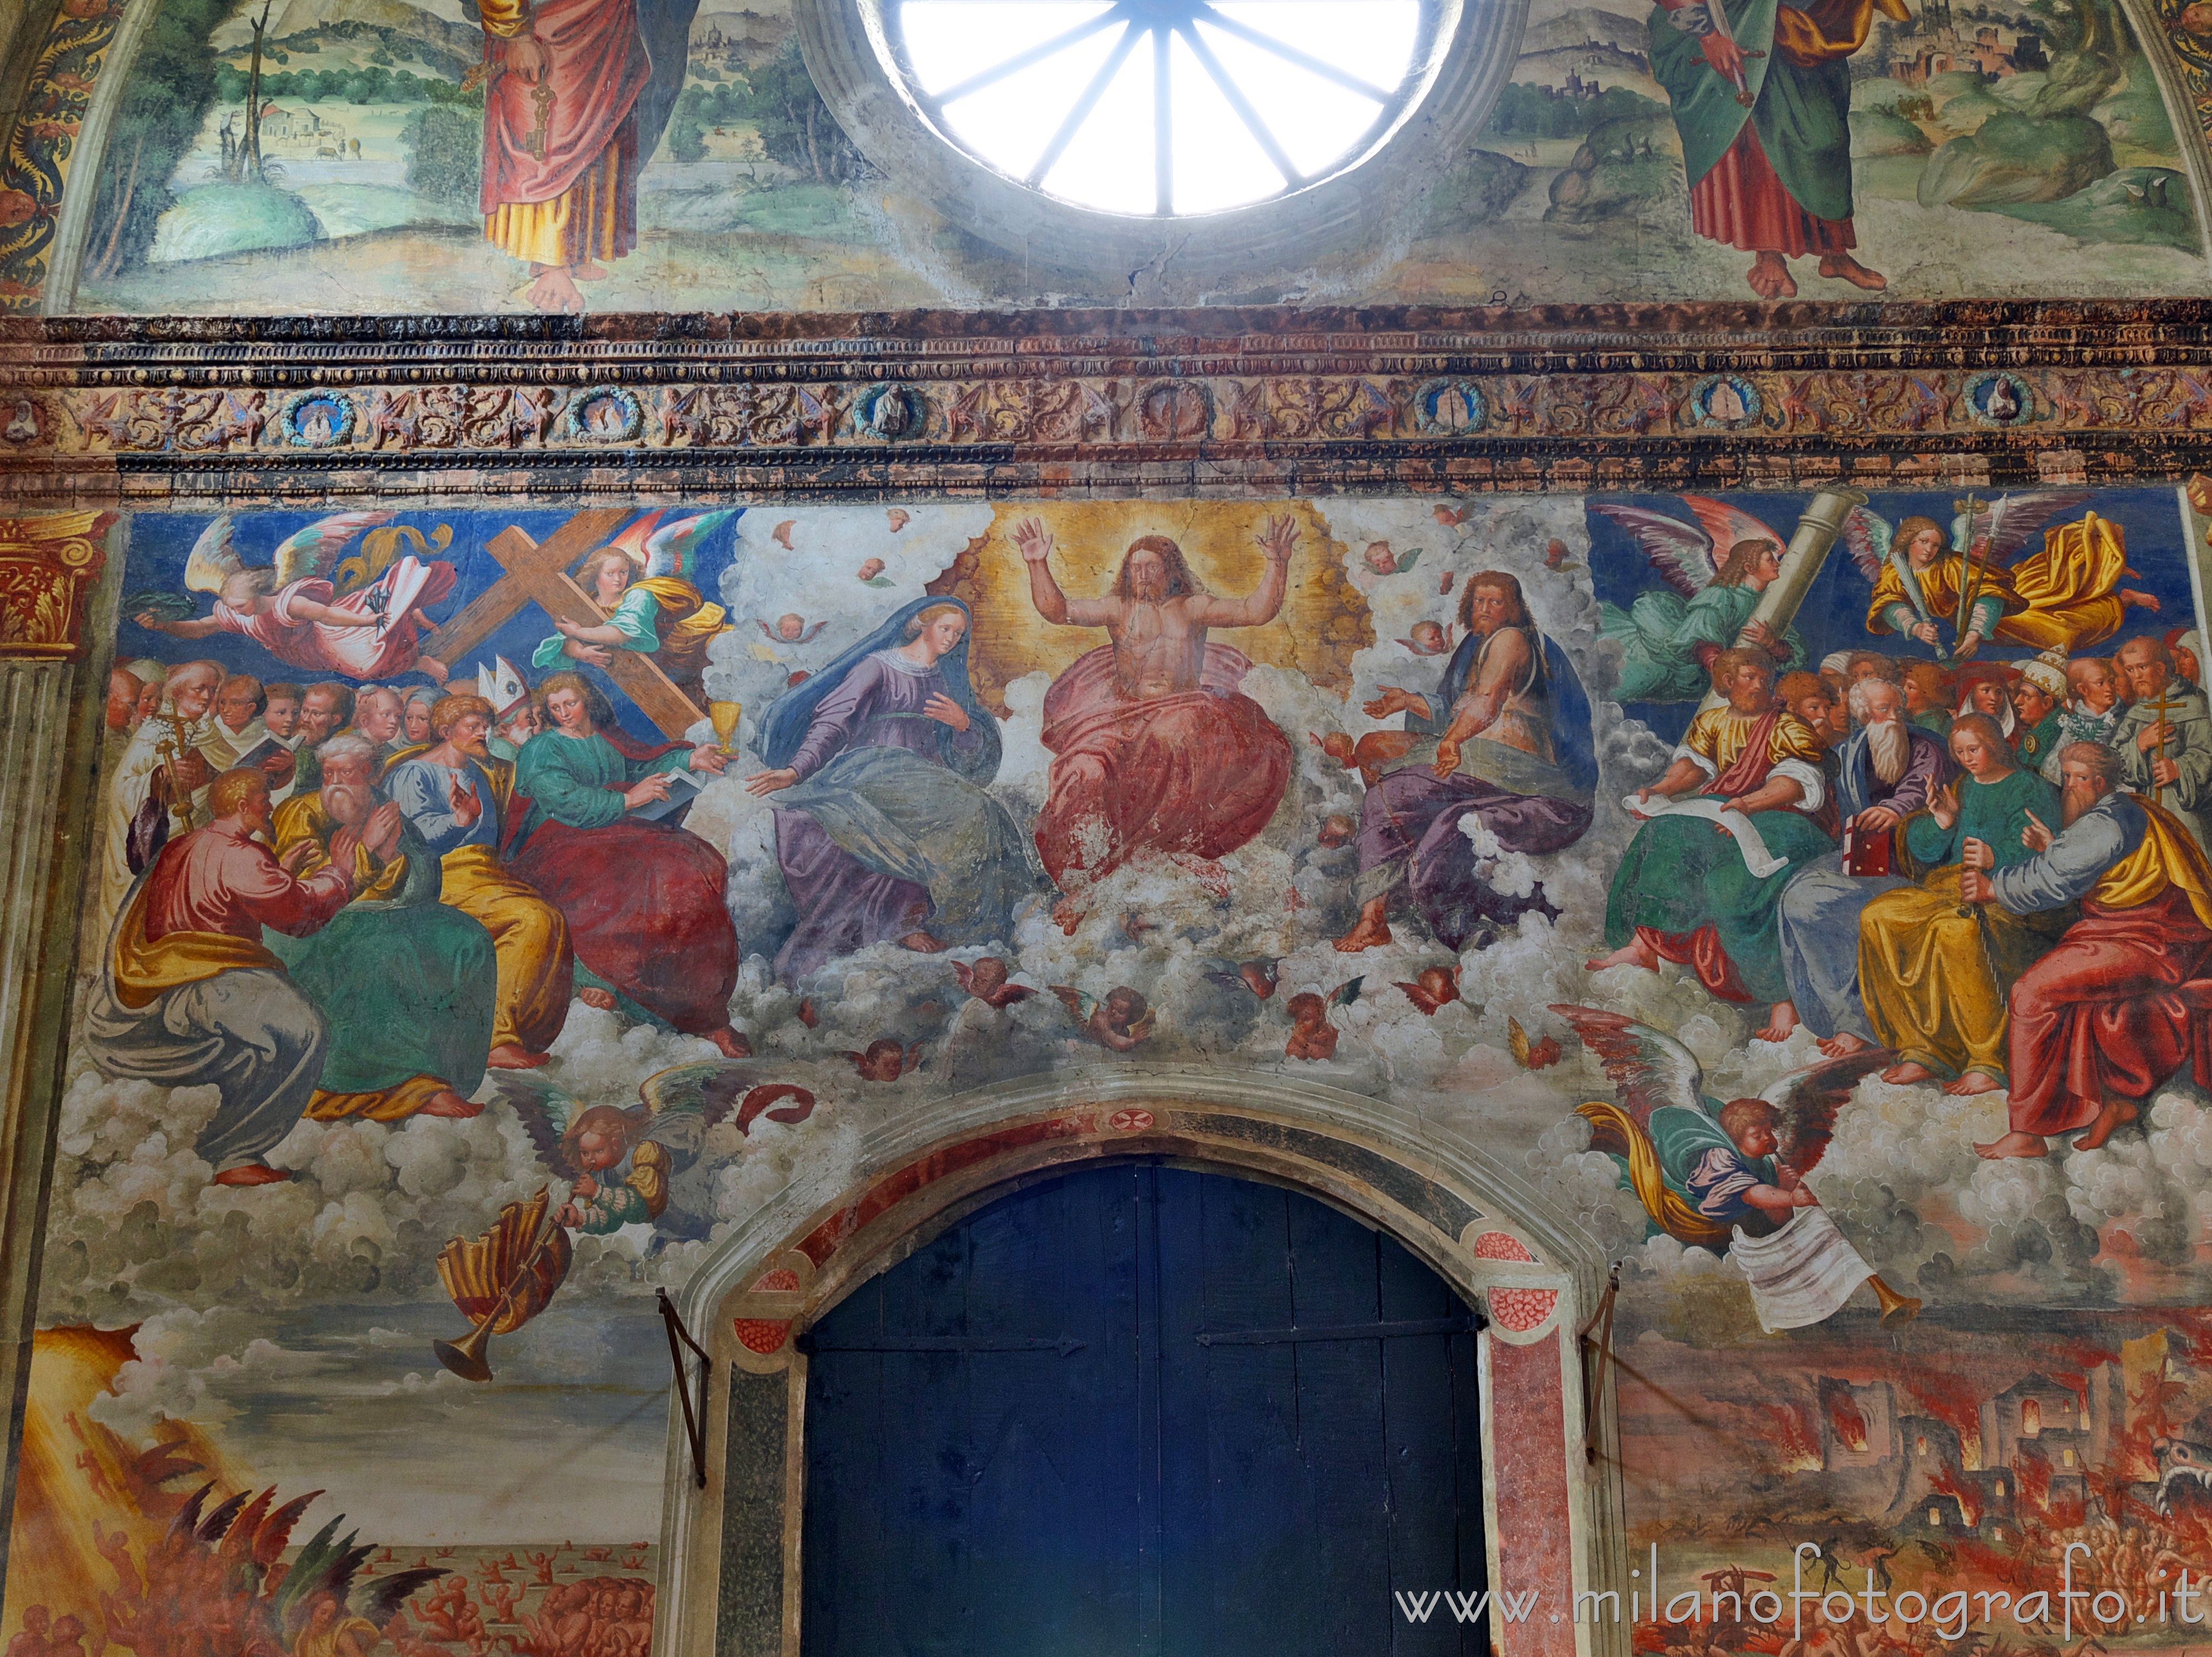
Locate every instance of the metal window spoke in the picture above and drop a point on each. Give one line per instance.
(1084, 106)
(1261, 134)
(1287, 52)
(1036, 54)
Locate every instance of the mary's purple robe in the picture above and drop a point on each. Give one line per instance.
(884, 834)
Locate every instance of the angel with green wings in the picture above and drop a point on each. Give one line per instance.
(1730, 1177)
(645, 582)
(620, 1159)
(1714, 568)
(292, 607)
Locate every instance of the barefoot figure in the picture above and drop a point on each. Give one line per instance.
(1154, 749)
(1504, 741)
(293, 610)
(1732, 820)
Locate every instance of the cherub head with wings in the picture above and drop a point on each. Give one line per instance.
(214, 566)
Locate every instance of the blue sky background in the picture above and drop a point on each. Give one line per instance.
(161, 542)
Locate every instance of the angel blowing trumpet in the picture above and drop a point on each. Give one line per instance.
(1731, 1177)
(619, 1162)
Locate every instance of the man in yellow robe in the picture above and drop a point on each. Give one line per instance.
(2064, 598)
(562, 79)
(1935, 969)
(456, 797)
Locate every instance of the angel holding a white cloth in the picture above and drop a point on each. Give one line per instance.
(1730, 1177)
(1740, 811)
(294, 610)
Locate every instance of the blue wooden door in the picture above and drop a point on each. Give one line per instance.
(1137, 1412)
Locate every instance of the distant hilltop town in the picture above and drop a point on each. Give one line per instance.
(1936, 45)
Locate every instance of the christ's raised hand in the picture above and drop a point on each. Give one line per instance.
(1279, 539)
(1033, 540)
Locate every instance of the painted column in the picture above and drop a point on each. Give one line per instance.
(49, 568)
(1817, 530)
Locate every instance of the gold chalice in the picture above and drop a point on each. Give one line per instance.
(725, 716)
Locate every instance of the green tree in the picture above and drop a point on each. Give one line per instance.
(444, 148)
(172, 88)
(687, 124)
(796, 128)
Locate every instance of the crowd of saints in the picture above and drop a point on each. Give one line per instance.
(336, 899)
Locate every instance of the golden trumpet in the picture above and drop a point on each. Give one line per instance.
(1897, 1310)
(465, 1357)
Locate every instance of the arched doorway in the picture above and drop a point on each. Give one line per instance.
(1142, 1409)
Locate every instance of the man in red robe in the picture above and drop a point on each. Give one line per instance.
(2111, 1012)
(188, 996)
(560, 139)
(1154, 748)
(1761, 94)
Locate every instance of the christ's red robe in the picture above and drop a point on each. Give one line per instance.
(1195, 774)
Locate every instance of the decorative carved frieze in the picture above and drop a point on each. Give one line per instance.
(1605, 398)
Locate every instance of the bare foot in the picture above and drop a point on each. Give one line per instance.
(1770, 277)
(731, 1042)
(447, 1102)
(253, 1173)
(1371, 932)
(1971, 1082)
(555, 292)
(2114, 1114)
(1842, 267)
(1066, 916)
(1843, 1044)
(2013, 1144)
(509, 1056)
(589, 270)
(1634, 953)
(1907, 1073)
(1781, 1022)
(920, 942)
(2131, 599)
(434, 667)
(593, 996)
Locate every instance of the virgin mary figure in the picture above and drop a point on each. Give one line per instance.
(878, 766)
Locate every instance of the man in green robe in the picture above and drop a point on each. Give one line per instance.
(405, 983)
(1761, 94)
(1935, 971)
(1693, 887)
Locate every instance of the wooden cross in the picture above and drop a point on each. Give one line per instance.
(537, 573)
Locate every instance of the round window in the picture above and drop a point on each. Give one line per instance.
(1165, 106)
(1228, 137)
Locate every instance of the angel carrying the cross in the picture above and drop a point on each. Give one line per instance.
(2063, 597)
(293, 609)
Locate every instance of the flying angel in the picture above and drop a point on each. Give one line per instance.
(294, 609)
(1730, 1177)
(620, 1159)
(2063, 597)
(646, 583)
(1714, 569)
